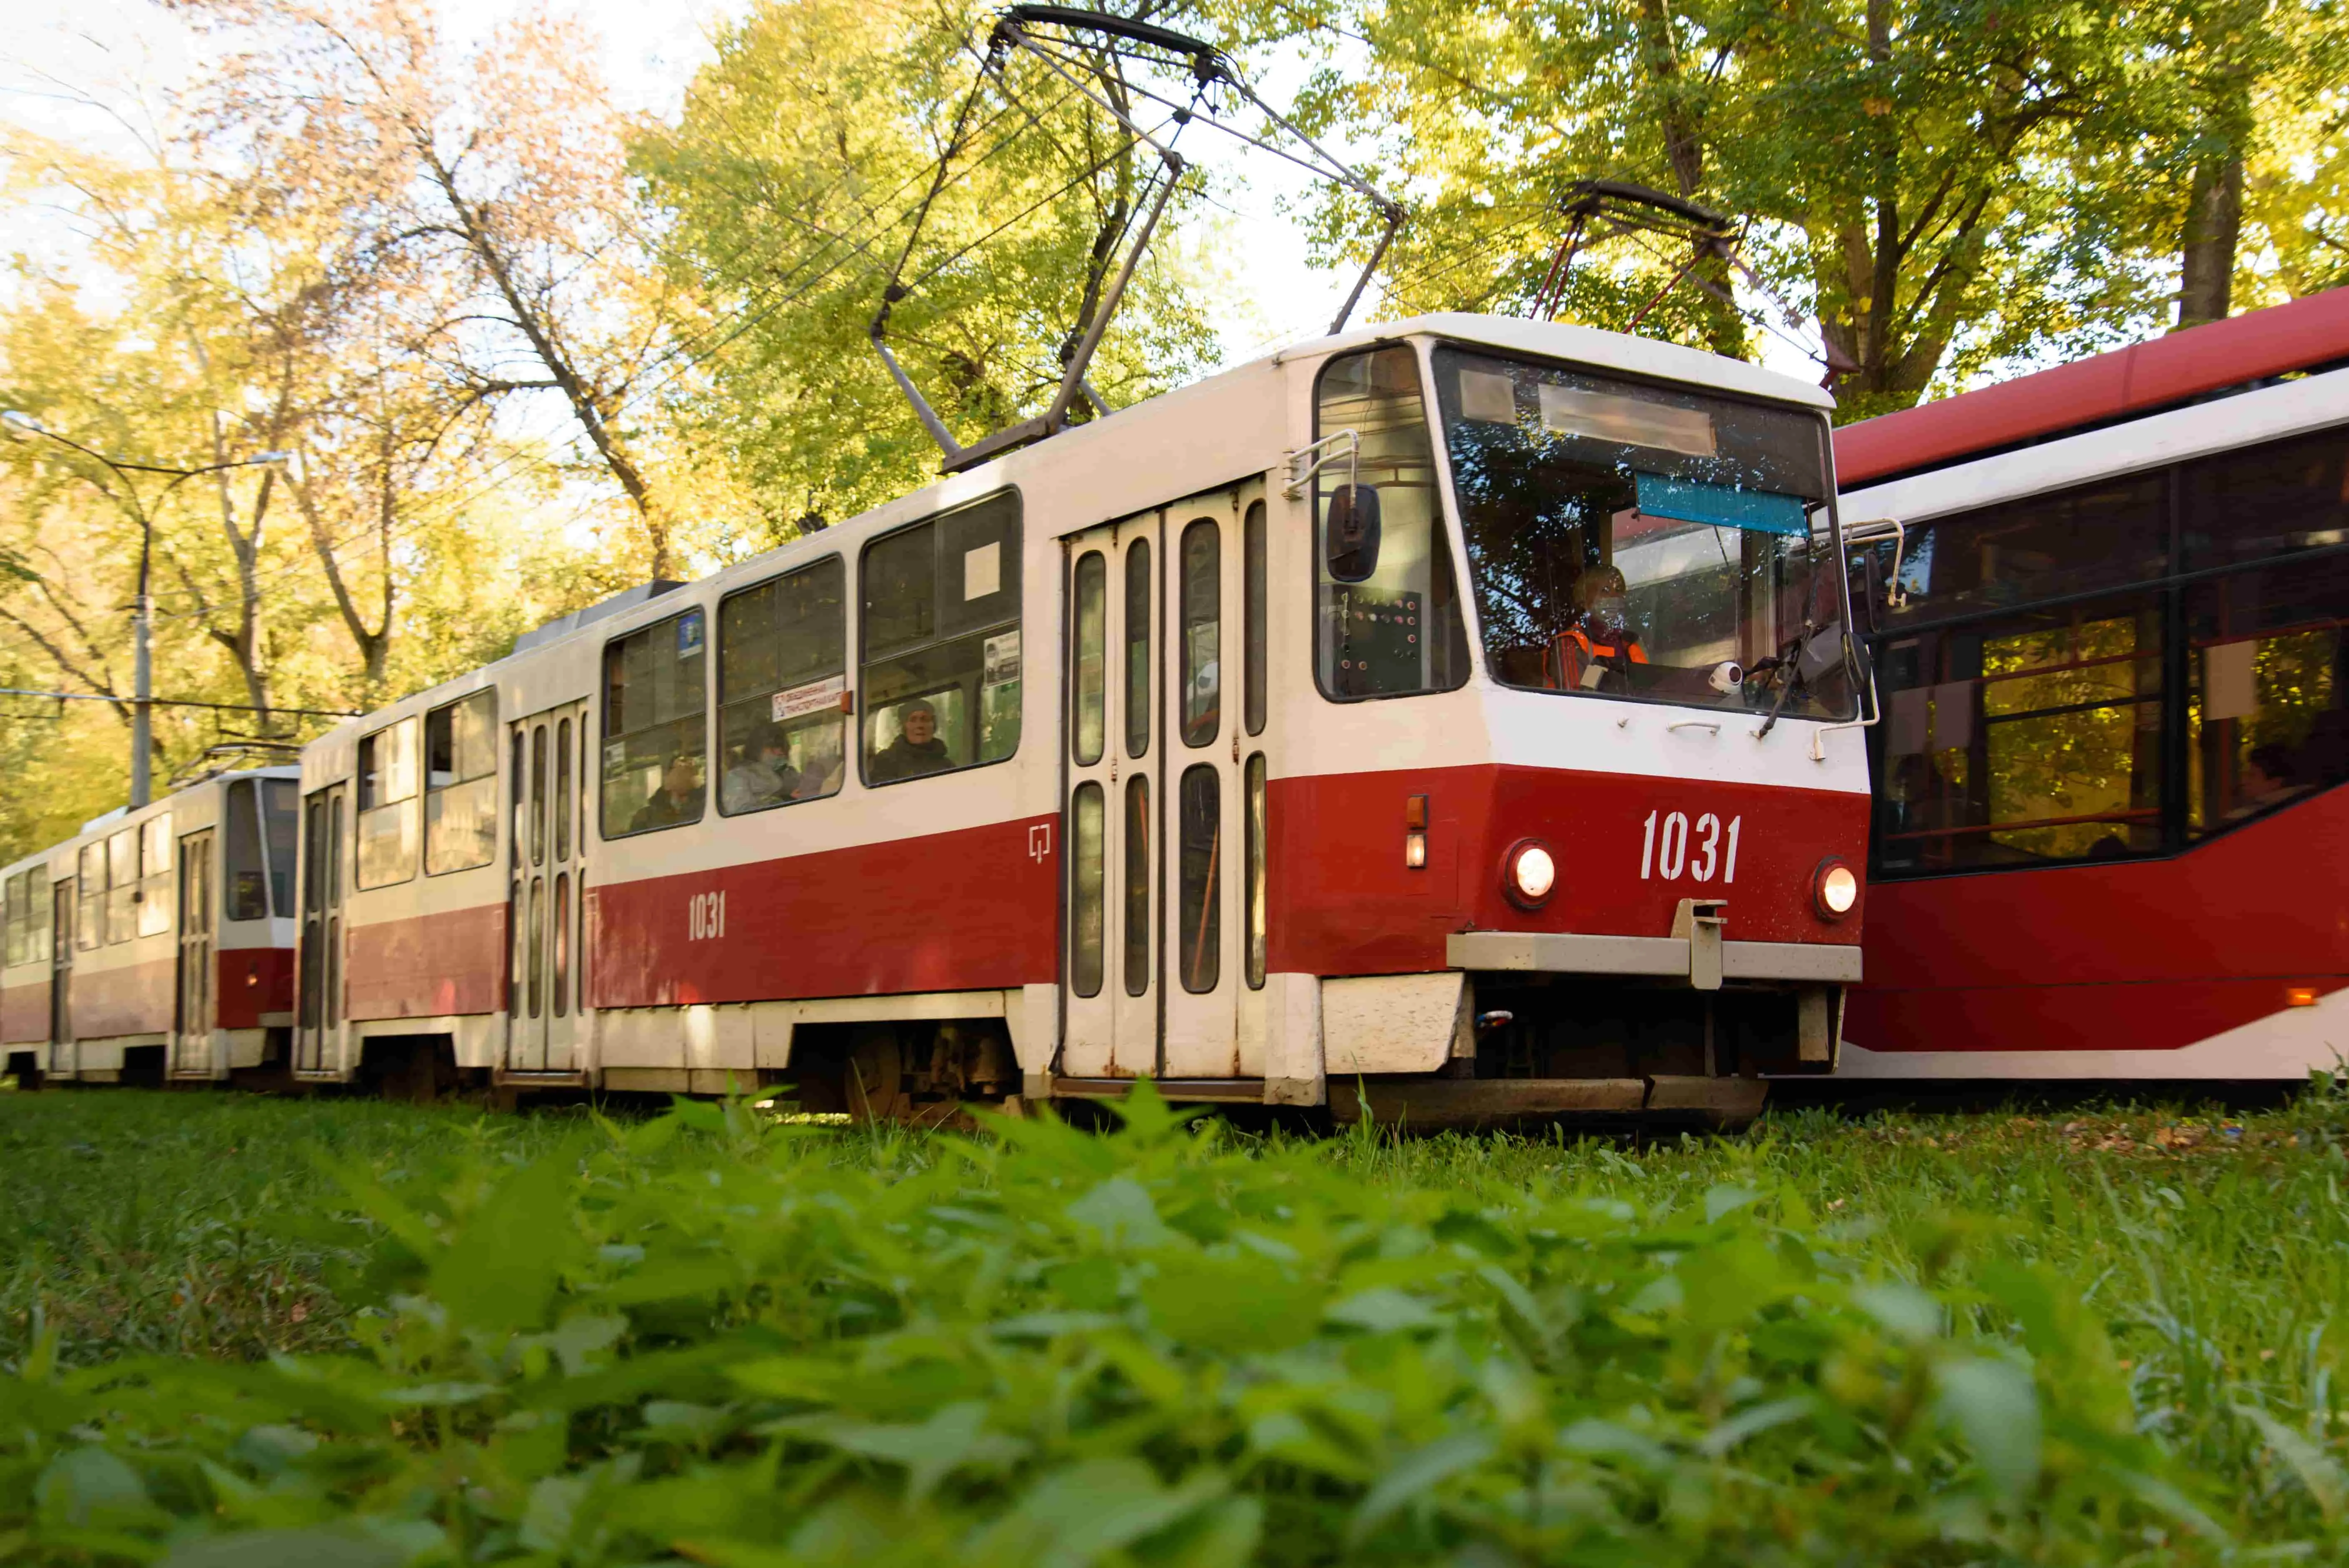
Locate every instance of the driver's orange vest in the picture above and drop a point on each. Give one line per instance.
(1576, 652)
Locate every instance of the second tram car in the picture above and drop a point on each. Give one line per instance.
(2111, 839)
(158, 944)
(1462, 708)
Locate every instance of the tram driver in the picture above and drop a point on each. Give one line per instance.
(1600, 642)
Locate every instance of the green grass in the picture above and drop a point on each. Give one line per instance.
(372, 1334)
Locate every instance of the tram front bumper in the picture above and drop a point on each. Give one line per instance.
(1704, 959)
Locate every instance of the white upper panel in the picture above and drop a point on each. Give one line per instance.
(2244, 419)
(1584, 345)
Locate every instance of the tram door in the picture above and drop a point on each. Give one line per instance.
(548, 752)
(1214, 603)
(61, 952)
(1110, 826)
(317, 1038)
(191, 1044)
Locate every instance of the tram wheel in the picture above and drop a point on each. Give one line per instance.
(877, 1077)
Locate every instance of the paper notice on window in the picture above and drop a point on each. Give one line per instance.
(1487, 397)
(1631, 421)
(1000, 658)
(1908, 721)
(982, 572)
(2231, 680)
(1953, 716)
(815, 697)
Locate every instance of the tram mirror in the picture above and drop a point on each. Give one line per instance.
(1821, 653)
(1354, 532)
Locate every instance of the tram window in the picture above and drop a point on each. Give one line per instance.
(538, 794)
(2262, 501)
(460, 784)
(29, 916)
(2073, 542)
(1089, 684)
(1252, 593)
(1398, 630)
(90, 900)
(1086, 892)
(1198, 899)
(782, 680)
(2028, 740)
(122, 885)
(2268, 712)
(245, 893)
(655, 742)
(1137, 884)
(154, 897)
(1202, 631)
(1255, 890)
(1138, 612)
(559, 805)
(19, 922)
(1636, 541)
(388, 805)
(941, 656)
(280, 823)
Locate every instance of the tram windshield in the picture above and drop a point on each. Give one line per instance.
(1642, 543)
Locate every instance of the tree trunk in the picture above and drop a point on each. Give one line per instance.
(2206, 250)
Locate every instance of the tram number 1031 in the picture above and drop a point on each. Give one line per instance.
(705, 917)
(1670, 848)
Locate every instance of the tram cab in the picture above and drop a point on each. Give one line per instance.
(1459, 709)
(158, 942)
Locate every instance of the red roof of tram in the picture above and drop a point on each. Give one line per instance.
(2144, 377)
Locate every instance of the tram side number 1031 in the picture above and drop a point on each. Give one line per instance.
(1667, 855)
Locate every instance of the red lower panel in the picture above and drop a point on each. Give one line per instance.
(2149, 955)
(950, 912)
(1344, 902)
(138, 1000)
(253, 981)
(426, 966)
(24, 1012)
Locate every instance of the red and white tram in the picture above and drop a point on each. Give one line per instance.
(2110, 837)
(158, 943)
(1451, 707)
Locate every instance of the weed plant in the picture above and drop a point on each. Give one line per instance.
(714, 1337)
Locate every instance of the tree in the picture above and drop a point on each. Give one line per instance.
(789, 188)
(1941, 184)
(504, 172)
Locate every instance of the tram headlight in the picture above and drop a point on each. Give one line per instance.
(1528, 873)
(1835, 888)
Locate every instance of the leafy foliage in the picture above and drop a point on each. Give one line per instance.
(713, 1337)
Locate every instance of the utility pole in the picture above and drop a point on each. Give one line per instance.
(142, 674)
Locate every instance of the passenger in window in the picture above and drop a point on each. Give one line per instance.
(763, 774)
(917, 749)
(2268, 780)
(679, 799)
(1601, 642)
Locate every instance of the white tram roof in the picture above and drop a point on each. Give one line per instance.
(2247, 419)
(1192, 438)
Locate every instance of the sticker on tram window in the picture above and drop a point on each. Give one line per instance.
(615, 757)
(689, 634)
(982, 572)
(1000, 658)
(1672, 847)
(816, 697)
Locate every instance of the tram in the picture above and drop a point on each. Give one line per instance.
(158, 944)
(1459, 713)
(2110, 839)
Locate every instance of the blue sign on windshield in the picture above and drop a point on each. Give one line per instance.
(1722, 506)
